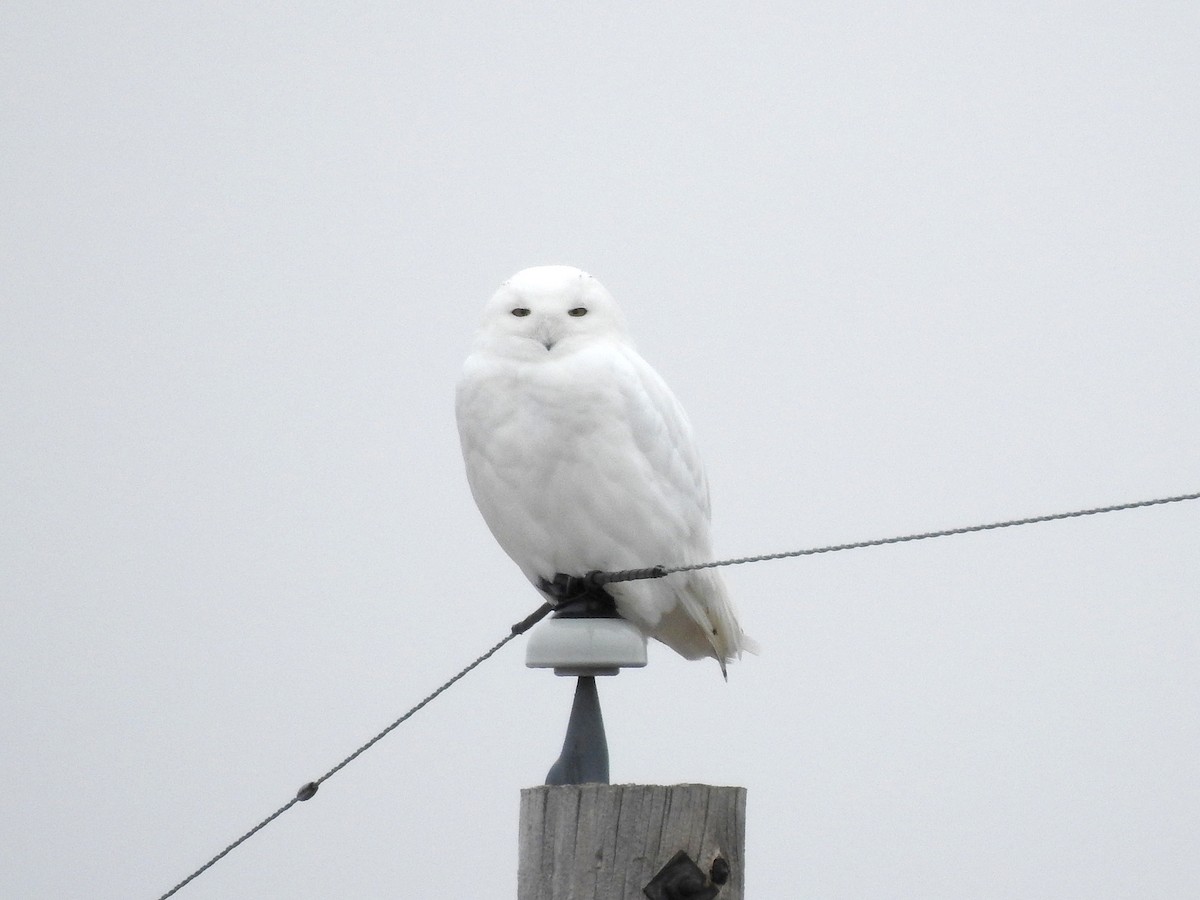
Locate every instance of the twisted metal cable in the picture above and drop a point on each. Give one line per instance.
(309, 790)
(663, 571)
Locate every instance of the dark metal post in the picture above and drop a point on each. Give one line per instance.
(584, 757)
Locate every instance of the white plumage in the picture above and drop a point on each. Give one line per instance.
(580, 458)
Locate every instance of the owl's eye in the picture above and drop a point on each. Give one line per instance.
(577, 311)
(520, 311)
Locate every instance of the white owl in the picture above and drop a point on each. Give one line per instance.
(581, 459)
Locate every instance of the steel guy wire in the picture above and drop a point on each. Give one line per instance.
(663, 571)
(307, 791)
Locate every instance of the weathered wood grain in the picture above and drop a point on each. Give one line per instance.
(605, 842)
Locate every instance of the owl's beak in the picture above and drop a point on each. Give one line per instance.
(546, 334)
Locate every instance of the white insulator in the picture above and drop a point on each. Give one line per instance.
(585, 646)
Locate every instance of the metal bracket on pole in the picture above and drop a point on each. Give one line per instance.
(682, 879)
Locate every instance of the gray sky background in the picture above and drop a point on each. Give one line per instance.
(908, 266)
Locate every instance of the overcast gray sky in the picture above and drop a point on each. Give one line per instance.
(908, 266)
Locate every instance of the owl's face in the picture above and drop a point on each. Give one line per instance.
(551, 310)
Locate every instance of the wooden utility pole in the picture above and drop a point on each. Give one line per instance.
(611, 842)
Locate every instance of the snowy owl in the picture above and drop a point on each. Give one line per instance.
(581, 459)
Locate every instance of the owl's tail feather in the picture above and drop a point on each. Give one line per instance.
(706, 600)
(694, 616)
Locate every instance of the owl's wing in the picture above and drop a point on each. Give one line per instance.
(689, 611)
(662, 434)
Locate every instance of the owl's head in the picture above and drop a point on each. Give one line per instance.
(551, 309)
